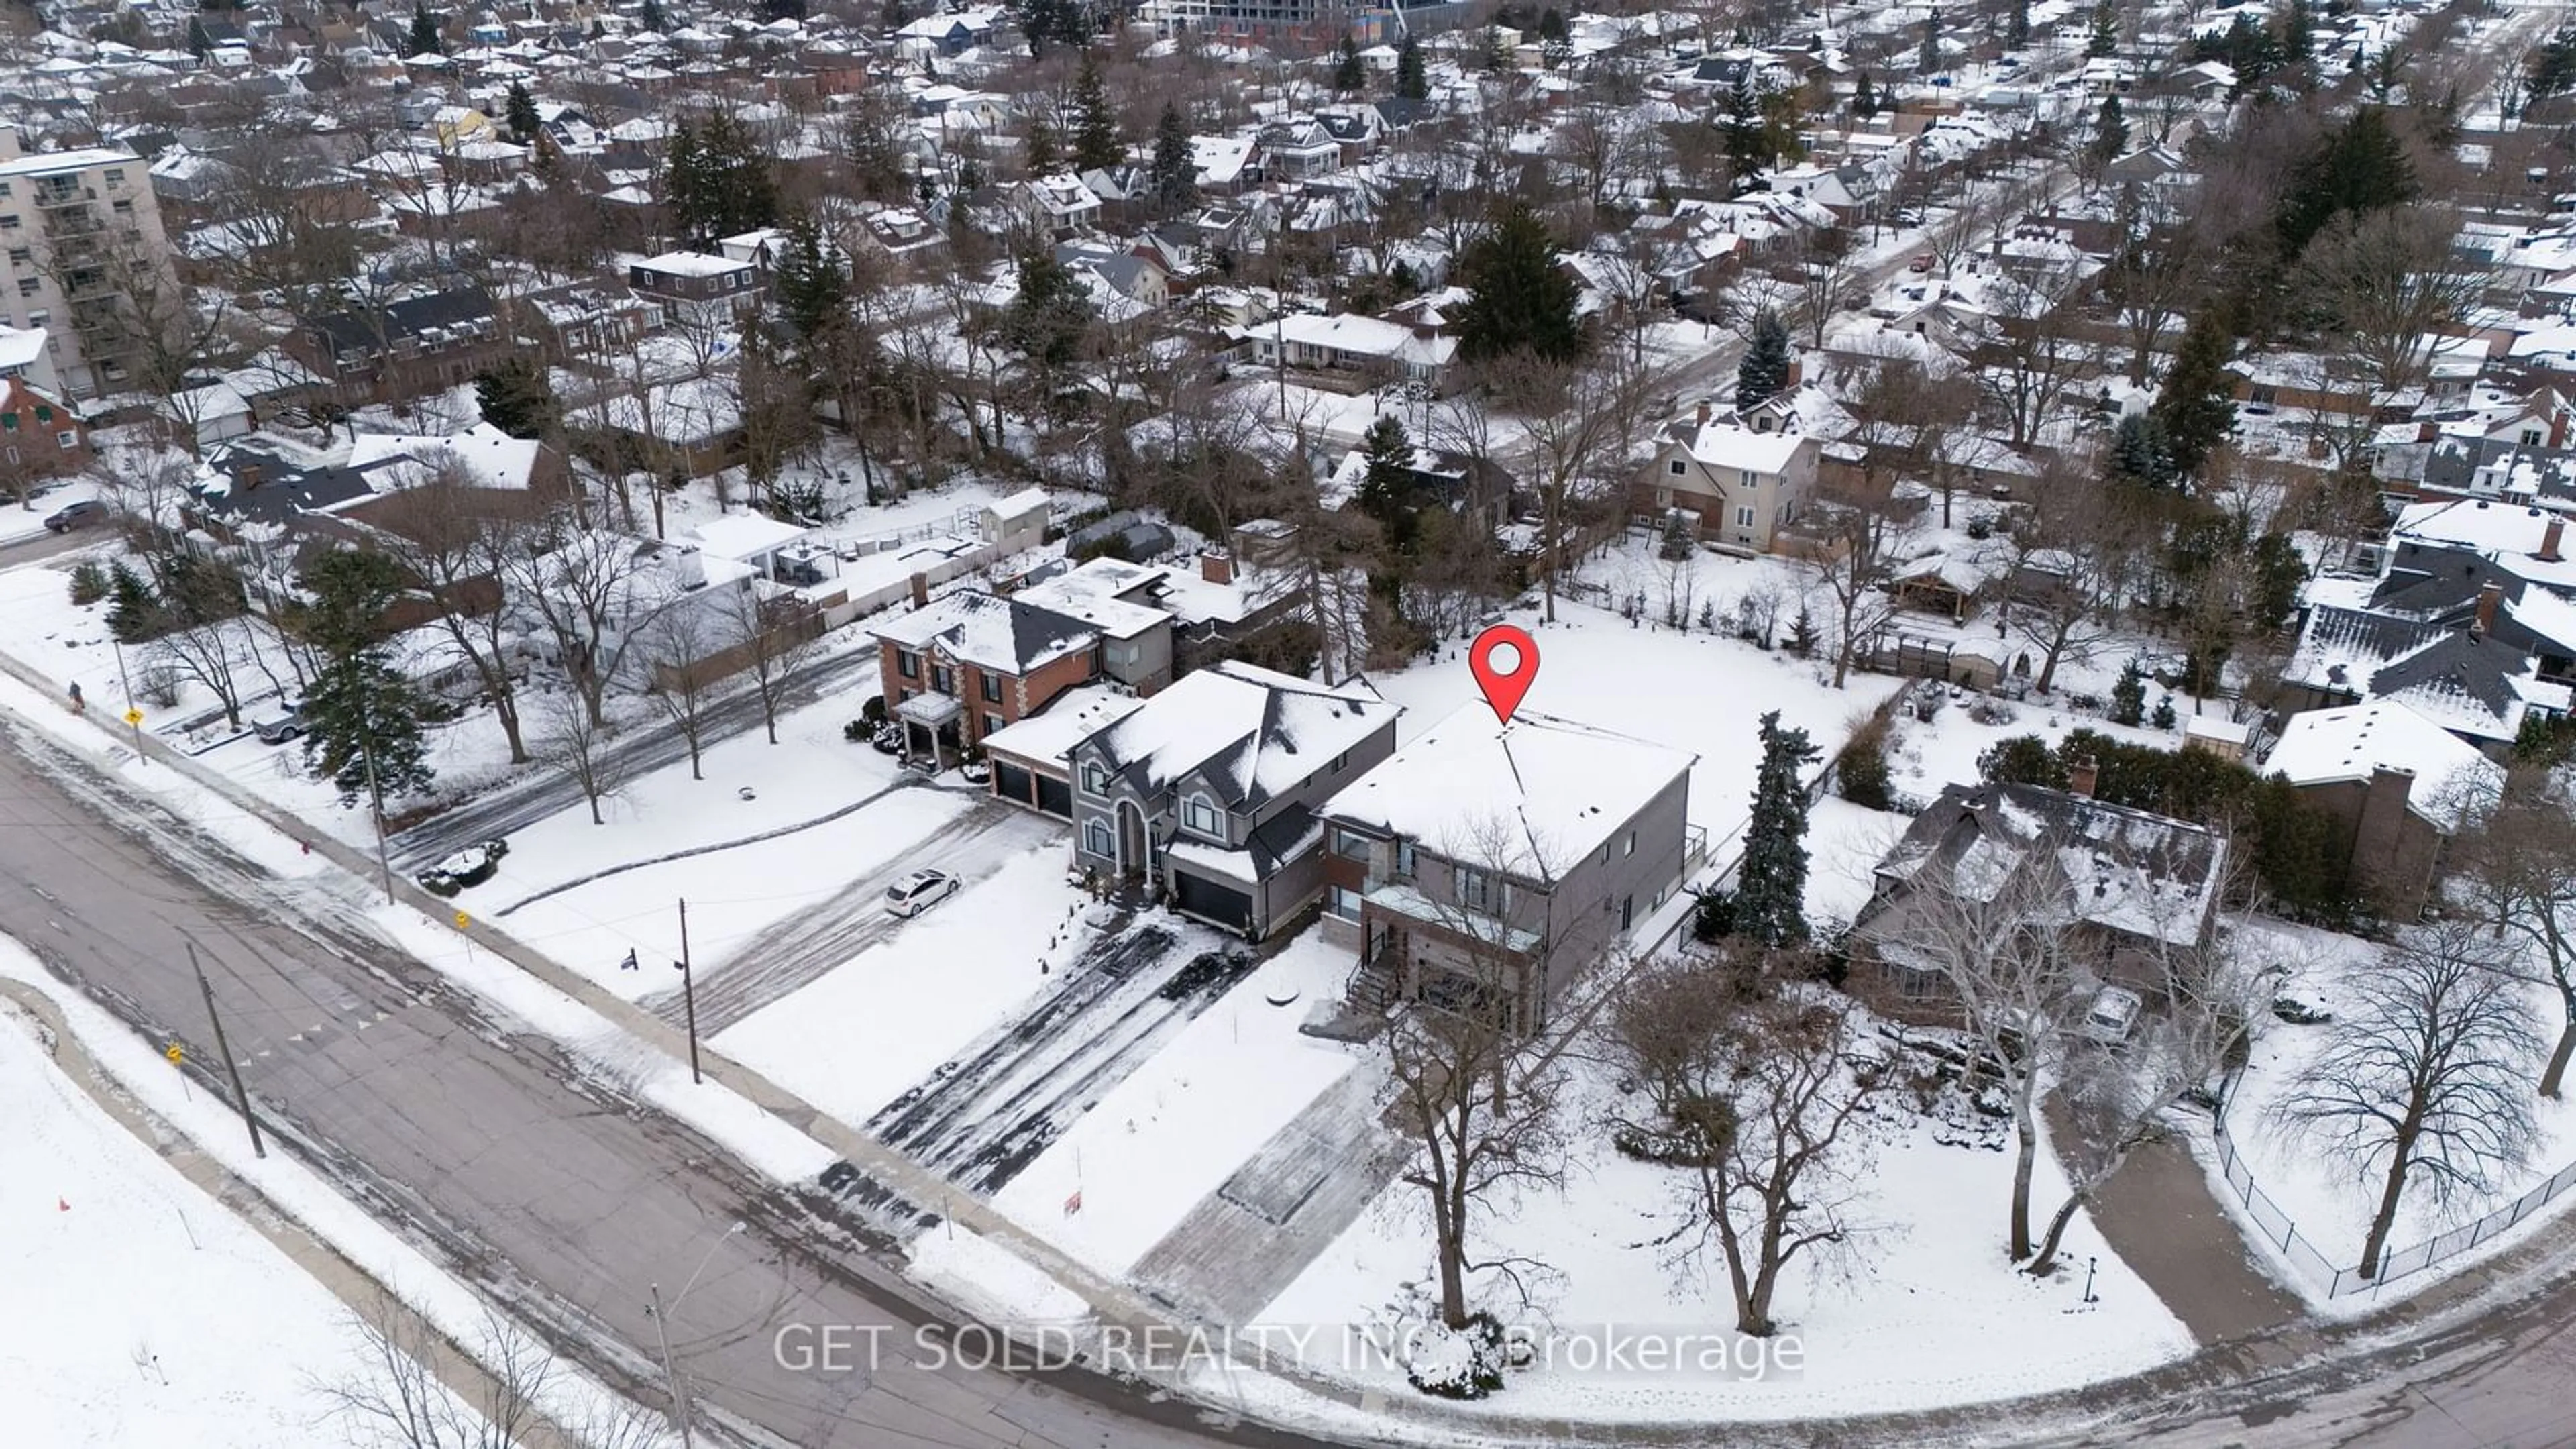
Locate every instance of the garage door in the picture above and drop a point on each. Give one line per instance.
(1055, 797)
(1011, 783)
(1210, 901)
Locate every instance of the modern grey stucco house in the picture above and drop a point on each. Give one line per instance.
(1207, 791)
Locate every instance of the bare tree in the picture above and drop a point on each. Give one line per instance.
(1849, 550)
(2154, 275)
(1827, 265)
(2001, 938)
(577, 746)
(1918, 415)
(1583, 424)
(463, 547)
(580, 592)
(776, 636)
(2518, 871)
(2421, 1081)
(2072, 557)
(406, 1391)
(682, 642)
(2036, 354)
(1760, 1088)
(2391, 278)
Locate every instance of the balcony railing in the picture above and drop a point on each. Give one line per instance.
(49, 195)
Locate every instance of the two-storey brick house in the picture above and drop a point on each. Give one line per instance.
(1208, 790)
(1484, 866)
(971, 663)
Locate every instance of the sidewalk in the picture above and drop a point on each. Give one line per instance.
(2157, 1213)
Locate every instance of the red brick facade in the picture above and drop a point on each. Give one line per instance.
(1017, 696)
(39, 435)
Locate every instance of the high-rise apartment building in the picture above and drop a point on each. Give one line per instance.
(83, 258)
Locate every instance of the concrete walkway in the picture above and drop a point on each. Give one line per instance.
(2158, 1214)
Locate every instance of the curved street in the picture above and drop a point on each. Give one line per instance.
(553, 1191)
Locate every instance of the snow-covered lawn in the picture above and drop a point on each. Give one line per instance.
(26, 519)
(854, 1040)
(1174, 1131)
(2329, 1200)
(1927, 1310)
(129, 1289)
(1686, 690)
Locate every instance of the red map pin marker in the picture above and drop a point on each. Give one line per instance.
(1504, 682)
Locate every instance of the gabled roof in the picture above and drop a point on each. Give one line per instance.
(2331, 746)
(990, 632)
(2131, 871)
(1249, 733)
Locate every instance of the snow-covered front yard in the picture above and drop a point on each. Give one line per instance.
(2331, 1200)
(1926, 1310)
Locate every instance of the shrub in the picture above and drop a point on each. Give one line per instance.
(2164, 717)
(468, 867)
(1861, 774)
(857, 731)
(1985, 709)
(874, 711)
(89, 583)
(1713, 919)
(1458, 1363)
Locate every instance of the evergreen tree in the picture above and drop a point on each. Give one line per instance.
(1096, 145)
(1412, 82)
(2361, 166)
(1771, 882)
(812, 291)
(652, 18)
(1040, 149)
(1745, 134)
(2110, 133)
(1386, 491)
(2553, 67)
(133, 615)
(1518, 297)
(2017, 25)
(2105, 41)
(2163, 718)
(521, 113)
(1175, 171)
(363, 718)
(1930, 62)
(2140, 453)
(2279, 573)
(2129, 695)
(2197, 404)
(1676, 543)
(2298, 32)
(424, 33)
(517, 397)
(1047, 322)
(1864, 98)
(1551, 25)
(1349, 76)
(717, 180)
(1765, 368)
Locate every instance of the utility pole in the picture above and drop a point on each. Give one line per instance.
(679, 1396)
(689, 994)
(224, 1049)
(375, 792)
(133, 711)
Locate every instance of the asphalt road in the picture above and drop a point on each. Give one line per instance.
(537, 792)
(552, 1191)
(50, 545)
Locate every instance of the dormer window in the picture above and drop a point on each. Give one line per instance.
(1095, 780)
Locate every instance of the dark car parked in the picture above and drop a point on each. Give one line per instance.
(84, 514)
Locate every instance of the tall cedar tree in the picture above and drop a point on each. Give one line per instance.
(2017, 25)
(1744, 132)
(1386, 487)
(1412, 82)
(424, 33)
(1518, 297)
(718, 181)
(652, 18)
(517, 397)
(1096, 145)
(2110, 133)
(2105, 40)
(2361, 167)
(2140, 452)
(2298, 32)
(363, 718)
(811, 290)
(1765, 368)
(1041, 149)
(2197, 404)
(1771, 884)
(2553, 67)
(1175, 171)
(1931, 57)
(1864, 98)
(1047, 322)
(1349, 77)
(521, 113)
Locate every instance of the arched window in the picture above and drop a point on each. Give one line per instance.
(1097, 838)
(1199, 817)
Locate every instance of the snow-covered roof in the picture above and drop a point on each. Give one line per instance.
(1072, 717)
(1530, 797)
(1250, 733)
(1104, 593)
(2328, 746)
(1007, 636)
(693, 264)
(1724, 443)
(488, 457)
(745, 535)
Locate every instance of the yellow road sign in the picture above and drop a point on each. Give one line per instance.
(175, 1054)
(134, 716)
(463, 920)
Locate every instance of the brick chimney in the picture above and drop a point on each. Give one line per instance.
(921, 591)
(247, 475)
(1216, 566)
(2081, 776)
(1703, 412)
(2489, 595)
(2550, 537)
